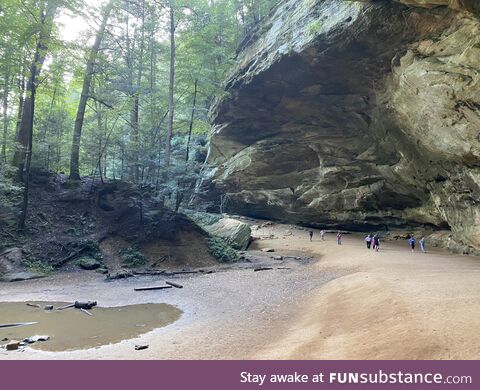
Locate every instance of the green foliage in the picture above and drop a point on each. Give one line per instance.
(39, 267)
(90, 248)
(132, 257)
(124, 129)
(10, 198)
(221, 250)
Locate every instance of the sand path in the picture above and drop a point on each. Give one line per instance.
(347, 303)
(392, 305)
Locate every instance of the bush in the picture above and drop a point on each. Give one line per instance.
(132, 257)
(221, 250)
(10, 200)
(39, 267)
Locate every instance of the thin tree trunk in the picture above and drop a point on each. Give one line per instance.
(5, 119)
(77, 132)
(171, 85)
(21, 100)
(181, 183)
(190, 128)
(47, 126)
(136, 100)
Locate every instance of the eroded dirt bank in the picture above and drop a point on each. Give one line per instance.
(345, 303)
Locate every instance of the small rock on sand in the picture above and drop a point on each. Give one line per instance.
(268, 250)
(12, 345)
(139, 347)
(34, 339)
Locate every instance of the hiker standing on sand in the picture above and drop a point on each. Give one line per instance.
(368, 241)
(376, 242)
(339, 238)
(311, 234)
(322, 235)
(411, 241)
(422, 244)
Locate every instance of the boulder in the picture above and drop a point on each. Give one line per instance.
(11, 259)
(12, 266)
(88, 263)
(235, 232)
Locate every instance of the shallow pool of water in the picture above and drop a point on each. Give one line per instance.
(72, 329)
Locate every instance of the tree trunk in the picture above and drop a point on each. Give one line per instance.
(23, 148)
(170, 87)
(190, 128)
(136, 99)
(77, 132)
(5, 119)
(21, 100)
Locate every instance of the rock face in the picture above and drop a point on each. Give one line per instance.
(355, 114)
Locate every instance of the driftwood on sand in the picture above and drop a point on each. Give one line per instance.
(151, 288)
(262, 269)
(16, 324)
(86, 312)
(174, 284)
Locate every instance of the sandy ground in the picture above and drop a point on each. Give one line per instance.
(345, 303)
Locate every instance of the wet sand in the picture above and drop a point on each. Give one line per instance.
(347, 303)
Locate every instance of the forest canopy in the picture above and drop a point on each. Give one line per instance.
(126, 98)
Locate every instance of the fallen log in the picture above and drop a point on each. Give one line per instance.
(86, 311)
(151, 288)
(16, 324)
(66, 306)
(33, 305)
(262, 269)
(283, 268)
(174, 284)
(149, 273)
(85, 305)
(171, 273)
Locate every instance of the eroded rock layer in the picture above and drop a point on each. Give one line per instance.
(357, 115)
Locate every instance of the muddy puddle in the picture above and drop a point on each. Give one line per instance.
(72, 329)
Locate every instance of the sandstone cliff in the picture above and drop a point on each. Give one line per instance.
(357, 114)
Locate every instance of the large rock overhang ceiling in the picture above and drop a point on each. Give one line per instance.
(334, 116)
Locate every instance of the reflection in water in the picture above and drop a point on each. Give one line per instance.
(72, 329)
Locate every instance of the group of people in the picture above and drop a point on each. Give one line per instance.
(373, 242)
(322, 234)
(412, 242)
